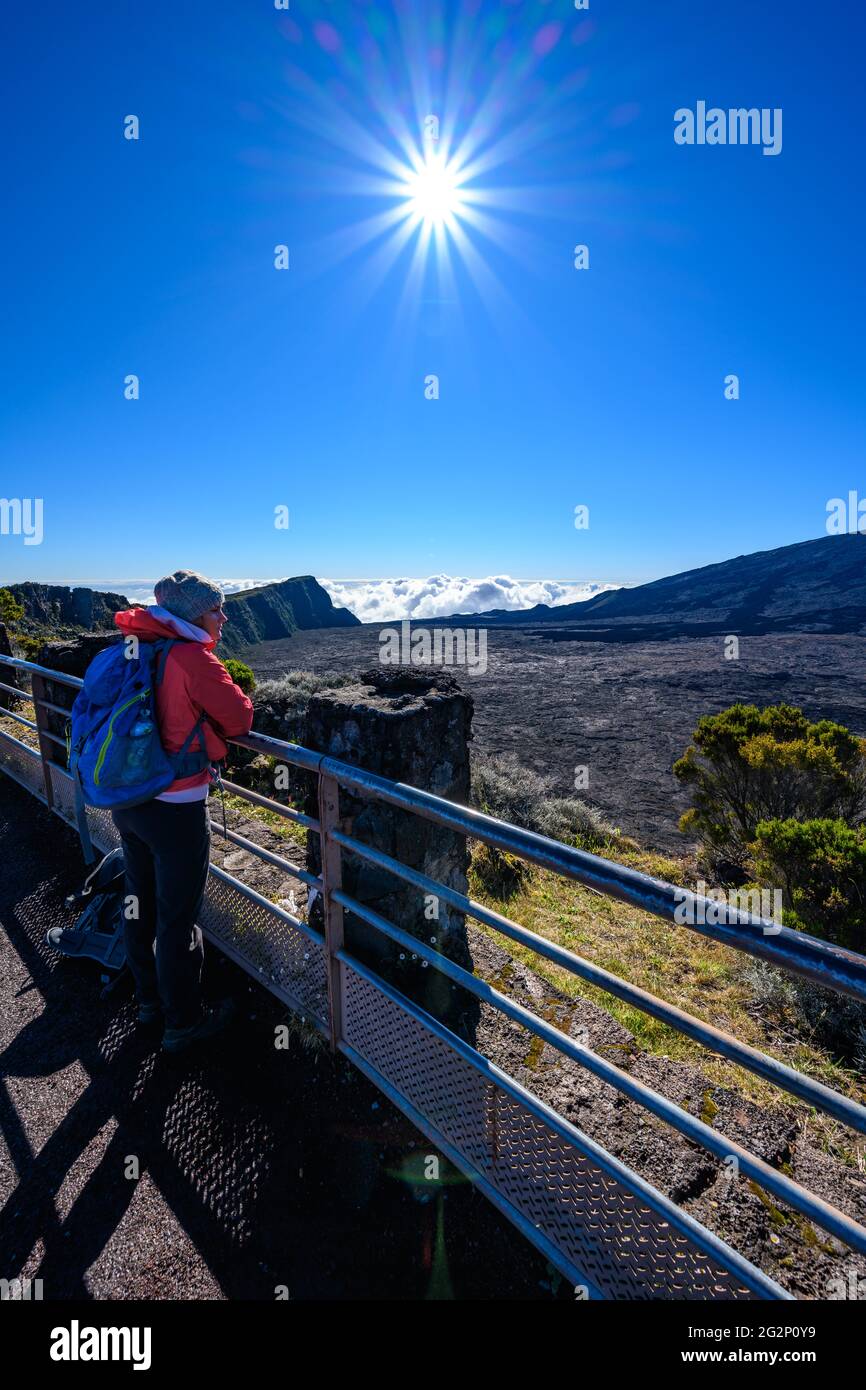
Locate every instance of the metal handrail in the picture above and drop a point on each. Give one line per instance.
(831, 966)
(14, 690)
(268, 856)
(19, 719)
(21, 665)
(784, 1187)
(288, 812)
(826, 964)
(815, 1092)
(820, 961)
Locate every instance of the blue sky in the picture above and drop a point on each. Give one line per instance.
(306, 388)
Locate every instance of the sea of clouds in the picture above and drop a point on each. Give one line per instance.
(390, 600)
(440, 595)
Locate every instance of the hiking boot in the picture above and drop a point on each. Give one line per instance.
(212, 1021)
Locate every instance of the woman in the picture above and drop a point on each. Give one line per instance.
(166, 841)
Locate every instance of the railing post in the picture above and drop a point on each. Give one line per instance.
(332, 881)
(37, 687)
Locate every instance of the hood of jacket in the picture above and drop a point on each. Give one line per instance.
(153, 623)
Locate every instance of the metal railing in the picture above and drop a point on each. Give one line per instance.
(599, 1223)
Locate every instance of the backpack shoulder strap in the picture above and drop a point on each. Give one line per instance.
(185, 762)
(162, 648)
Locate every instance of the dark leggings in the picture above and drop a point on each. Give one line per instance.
(166, 848)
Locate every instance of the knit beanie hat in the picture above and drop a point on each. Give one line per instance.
(187, 594)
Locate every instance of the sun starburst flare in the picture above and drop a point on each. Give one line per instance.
(439, 147)
(433, 193)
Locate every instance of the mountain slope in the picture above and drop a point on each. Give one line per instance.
(277, 610)
(814, 586)
(57, 606)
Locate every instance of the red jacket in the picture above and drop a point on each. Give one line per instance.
(194, 681)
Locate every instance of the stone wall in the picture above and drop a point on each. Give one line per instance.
(410, 727)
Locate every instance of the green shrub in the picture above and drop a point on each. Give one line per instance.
(748, 765)
(821, 867)
(822, 1016)
(500, 874)
(241, 675)
(11, 611)
(27, 647)
(504, 788)
(293, 690)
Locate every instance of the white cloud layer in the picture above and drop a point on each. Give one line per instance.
(440, 595)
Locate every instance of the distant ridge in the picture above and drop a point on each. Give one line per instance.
(813, 586)
(57, 606)
(255, 615)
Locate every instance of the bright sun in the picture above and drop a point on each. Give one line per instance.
(433, 192)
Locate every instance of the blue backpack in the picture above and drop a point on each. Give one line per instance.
(115, 751)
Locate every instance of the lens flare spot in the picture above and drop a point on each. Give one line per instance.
(546, 39)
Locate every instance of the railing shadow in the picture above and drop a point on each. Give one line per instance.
(257, 1157)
